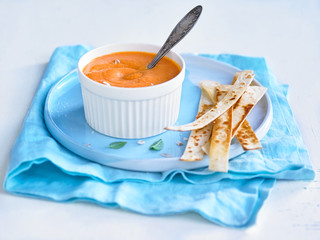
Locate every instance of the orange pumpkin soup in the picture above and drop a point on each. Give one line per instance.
(129, 69)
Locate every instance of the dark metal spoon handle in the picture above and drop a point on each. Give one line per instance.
(180, 30)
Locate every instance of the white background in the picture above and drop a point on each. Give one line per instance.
(285, 32)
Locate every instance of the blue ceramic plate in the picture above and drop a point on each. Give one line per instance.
(64, 117)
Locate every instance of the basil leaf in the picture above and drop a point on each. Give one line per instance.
(117, 145)
(158, 145)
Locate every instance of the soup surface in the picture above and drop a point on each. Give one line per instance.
(129, 69)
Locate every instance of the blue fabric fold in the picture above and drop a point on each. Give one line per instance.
(41, 167)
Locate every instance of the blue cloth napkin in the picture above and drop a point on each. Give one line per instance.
(41, 167)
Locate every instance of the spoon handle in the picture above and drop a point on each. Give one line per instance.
(180, 30)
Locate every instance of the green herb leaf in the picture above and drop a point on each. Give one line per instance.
(117, 145)
(158, 145)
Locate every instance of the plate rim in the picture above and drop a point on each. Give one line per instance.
(85, 151)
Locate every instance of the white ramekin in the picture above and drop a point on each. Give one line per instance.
(130, 112)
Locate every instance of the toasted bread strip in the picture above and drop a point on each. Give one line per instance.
(199, 137)
(247, 137)
(245, 133)
(244, 105)
(208, 86)
(241, 109)
(236, 75)
(244, 79)
(220, 139)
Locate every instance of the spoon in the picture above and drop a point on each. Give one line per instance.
(179, 32)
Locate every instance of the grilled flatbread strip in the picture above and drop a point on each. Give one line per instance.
(240, 110)
(244, 79)
(220, 139)
(247, 137)
(245, 134)
(244, 105)
(199, 137)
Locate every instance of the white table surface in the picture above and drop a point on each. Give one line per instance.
(285, 32)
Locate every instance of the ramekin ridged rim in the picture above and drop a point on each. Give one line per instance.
(129, 93)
